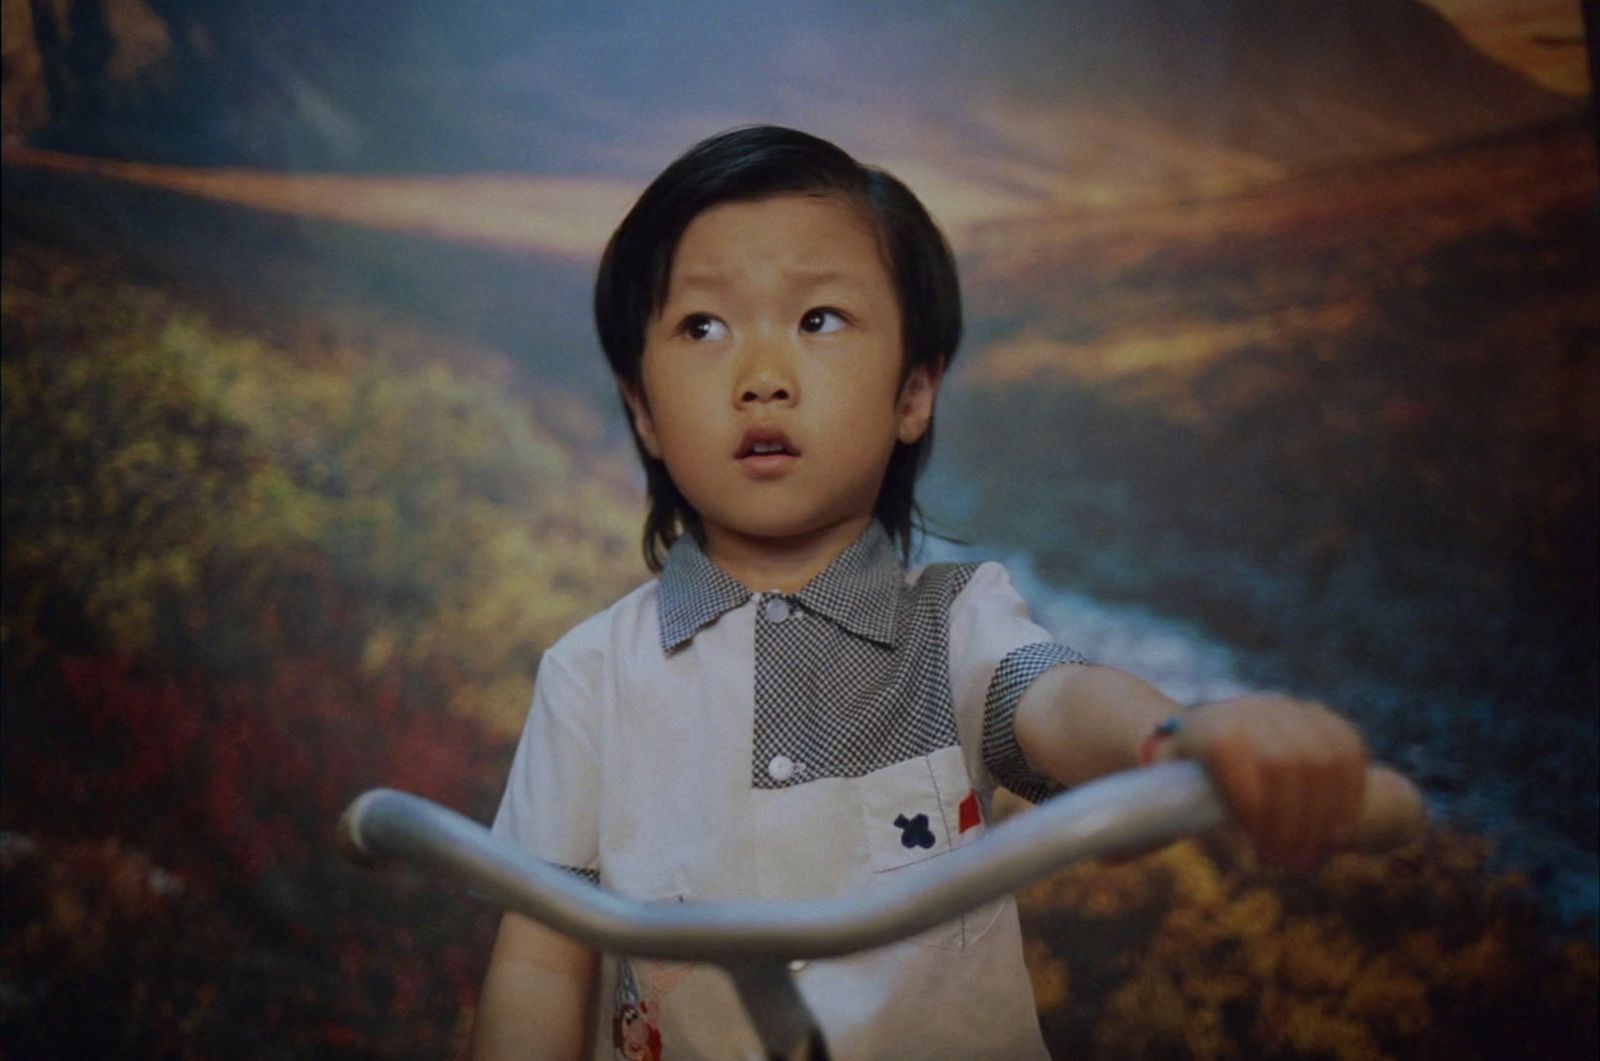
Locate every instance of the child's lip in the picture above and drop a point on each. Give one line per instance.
(765, 435)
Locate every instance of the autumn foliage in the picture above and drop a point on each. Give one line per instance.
(1200, 951)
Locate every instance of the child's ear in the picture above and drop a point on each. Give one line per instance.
(914, 409)
(639, 410)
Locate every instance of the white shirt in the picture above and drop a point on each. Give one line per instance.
(696, 741)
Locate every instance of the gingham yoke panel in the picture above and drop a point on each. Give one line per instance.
(839, 705)
(1001, 754)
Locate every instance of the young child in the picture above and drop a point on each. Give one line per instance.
(788, 712)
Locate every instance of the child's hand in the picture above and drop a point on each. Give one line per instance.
(1291, 772)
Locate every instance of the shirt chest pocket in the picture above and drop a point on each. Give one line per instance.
(915, 811)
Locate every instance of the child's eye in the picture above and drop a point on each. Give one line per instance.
(822, 321)
(702, 327)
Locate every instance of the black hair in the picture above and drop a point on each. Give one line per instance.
(753, 163)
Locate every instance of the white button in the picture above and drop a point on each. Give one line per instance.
(798, 964)
(781, 768)
(777, 610)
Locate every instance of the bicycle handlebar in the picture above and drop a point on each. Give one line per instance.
(1121, 814)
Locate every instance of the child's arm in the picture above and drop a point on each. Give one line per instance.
(1292, 773)
(536, 994)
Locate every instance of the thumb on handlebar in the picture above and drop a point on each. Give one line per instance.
(1392, 811)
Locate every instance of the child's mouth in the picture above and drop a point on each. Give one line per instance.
(765, 450)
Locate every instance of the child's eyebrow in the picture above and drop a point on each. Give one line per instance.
(716, 279)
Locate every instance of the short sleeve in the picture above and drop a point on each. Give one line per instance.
(551, 798)
(996, 652)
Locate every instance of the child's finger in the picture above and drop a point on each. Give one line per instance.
(1333, 750)
(1320, 795)
(1321, 798)
(1232, 761)
(1290, 811)
(1348, 785)
(1331, 774)
(1235, 773)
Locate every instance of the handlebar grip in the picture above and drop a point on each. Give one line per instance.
(354, 843)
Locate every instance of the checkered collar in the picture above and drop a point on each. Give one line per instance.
(859, 591)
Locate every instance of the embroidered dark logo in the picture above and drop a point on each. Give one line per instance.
(914, 832)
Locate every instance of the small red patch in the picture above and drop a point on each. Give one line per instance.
(970, 815)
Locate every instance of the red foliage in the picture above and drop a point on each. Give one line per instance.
(261, 768)
(234, 787)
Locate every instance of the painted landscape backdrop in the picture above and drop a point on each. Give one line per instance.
(1282, 371)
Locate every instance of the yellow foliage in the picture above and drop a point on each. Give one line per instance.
(178, 474)
(1052, 979)
(1097, 890)
(1314, 1026)
(1388, 995)
(1482, 963)
(1152, 1015)
(1319, 955)
(1196, 880)
(1372, 956)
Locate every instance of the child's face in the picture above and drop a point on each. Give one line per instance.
(771, 375)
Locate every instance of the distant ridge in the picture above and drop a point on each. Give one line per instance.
(1308, 83)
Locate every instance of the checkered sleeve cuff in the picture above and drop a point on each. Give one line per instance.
(1001, 754)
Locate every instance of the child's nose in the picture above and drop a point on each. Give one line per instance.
(764, 388)
(764, 377)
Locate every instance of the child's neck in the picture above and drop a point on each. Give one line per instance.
(782, 564)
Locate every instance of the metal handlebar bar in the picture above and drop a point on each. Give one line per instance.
(1114, 815)
(754, 939)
